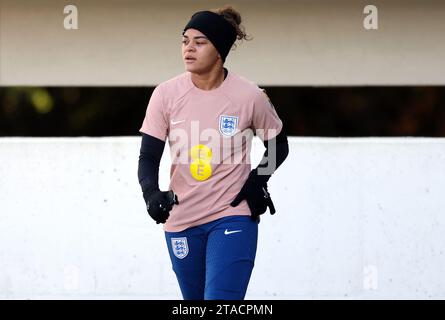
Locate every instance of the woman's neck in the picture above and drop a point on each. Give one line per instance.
(209, 81)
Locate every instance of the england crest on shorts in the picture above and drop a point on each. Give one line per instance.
(228, 125)
(180, 247)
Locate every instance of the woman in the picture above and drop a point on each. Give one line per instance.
(211, 211)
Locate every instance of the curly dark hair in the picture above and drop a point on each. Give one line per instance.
(234, 17)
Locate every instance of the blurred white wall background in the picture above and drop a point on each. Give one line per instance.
(356, 218)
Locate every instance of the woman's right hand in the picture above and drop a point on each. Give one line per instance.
(160, 203)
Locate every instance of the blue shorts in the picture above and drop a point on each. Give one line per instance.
(214, 261)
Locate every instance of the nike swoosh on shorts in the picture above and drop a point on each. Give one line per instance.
(226, 232)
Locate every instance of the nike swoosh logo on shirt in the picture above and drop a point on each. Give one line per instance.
(176, 122)
(226, 232)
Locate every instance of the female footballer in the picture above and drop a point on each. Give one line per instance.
(211, 211)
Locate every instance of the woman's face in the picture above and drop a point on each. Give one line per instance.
(198, 53)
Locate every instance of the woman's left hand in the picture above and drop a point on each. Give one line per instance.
(255, 192)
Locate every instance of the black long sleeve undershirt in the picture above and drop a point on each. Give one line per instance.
(152, 149)
(149, 161)
(282, 151)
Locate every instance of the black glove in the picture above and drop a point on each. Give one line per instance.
(255, 192)
(159, 204)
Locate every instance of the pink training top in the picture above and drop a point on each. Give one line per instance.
(210, 133)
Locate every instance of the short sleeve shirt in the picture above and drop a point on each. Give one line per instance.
(210, 134)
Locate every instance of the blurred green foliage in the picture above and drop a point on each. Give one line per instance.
(305, 111)
(72, 111)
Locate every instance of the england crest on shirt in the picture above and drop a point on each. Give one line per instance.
(228, 125)
(180, 247)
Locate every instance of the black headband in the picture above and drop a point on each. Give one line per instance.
(216, 28)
